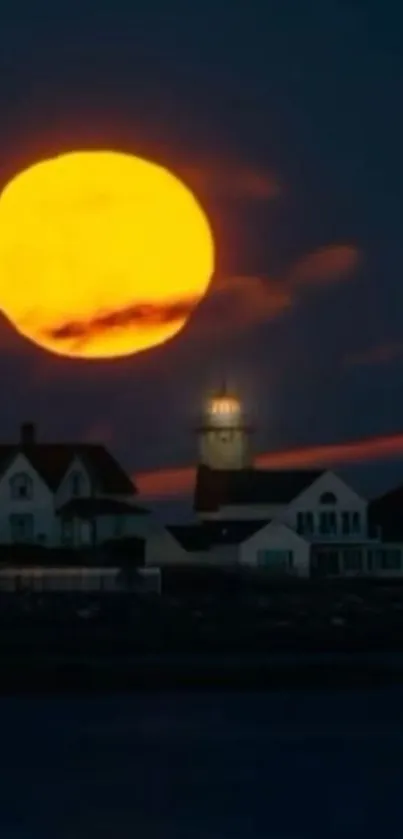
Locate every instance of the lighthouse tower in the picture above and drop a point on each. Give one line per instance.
(224, 436)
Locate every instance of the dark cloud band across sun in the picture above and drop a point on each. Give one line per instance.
(139, 315)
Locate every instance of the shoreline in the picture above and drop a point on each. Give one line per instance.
(81, 676)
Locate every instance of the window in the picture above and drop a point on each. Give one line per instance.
(22, 528)
(389, 559)
(350, 523)
(305, 523)
(328, 524)
(67, 532)
(76, 483)
(21, 487)
(345, 524)
(352, 560)
(355, 523)
(328, 498)
(280, 561)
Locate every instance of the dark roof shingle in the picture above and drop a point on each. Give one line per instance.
(52, 460)
(201, 537)
(216, 488)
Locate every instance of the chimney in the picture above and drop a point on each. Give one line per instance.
(27, 434)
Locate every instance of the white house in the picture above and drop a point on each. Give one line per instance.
(335, 522)
(64, 494)
(264, 544)
(76, 496)
(62, 497)
(304, 522)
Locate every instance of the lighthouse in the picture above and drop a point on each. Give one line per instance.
(224, 435)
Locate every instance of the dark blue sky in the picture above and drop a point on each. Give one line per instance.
(303, 95)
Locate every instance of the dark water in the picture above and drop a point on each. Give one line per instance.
(203, 766)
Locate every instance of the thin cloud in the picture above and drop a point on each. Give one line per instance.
(234, 181)
(165, 483)
(171, 483)
(324, 266)
(240, 301)
(373, 356)
(139, 315)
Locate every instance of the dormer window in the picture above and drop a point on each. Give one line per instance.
(76, 483)
(21, 487)
(328, 498)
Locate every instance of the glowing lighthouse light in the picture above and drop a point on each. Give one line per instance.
(225, 407)
(224, 436)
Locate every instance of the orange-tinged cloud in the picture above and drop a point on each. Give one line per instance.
(240, 301)
(102, 254)
(234, 180)
(176, 482)
(165, 483)
(327, 265)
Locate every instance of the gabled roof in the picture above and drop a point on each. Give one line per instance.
(216, 488)
(87, 508)
(201, 537)
(52, 460)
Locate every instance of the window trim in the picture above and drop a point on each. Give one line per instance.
(328, 523)
(26, 482)
(305, 522)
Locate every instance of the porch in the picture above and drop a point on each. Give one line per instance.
(359, 559)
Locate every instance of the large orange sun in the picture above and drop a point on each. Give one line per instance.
(102, 254)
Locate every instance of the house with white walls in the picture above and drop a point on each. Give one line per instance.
(305, 522)
(64, 494)
(247, 543)
(76, 499)
(338, 525)
(60, 502)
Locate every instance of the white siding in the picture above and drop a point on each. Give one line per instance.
(163, 549)
(40, 506)
(64, 492)
(277, 537)
(347, 501)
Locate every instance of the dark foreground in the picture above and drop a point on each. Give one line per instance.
(230, 635)
(81, 676)
(286, 765)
